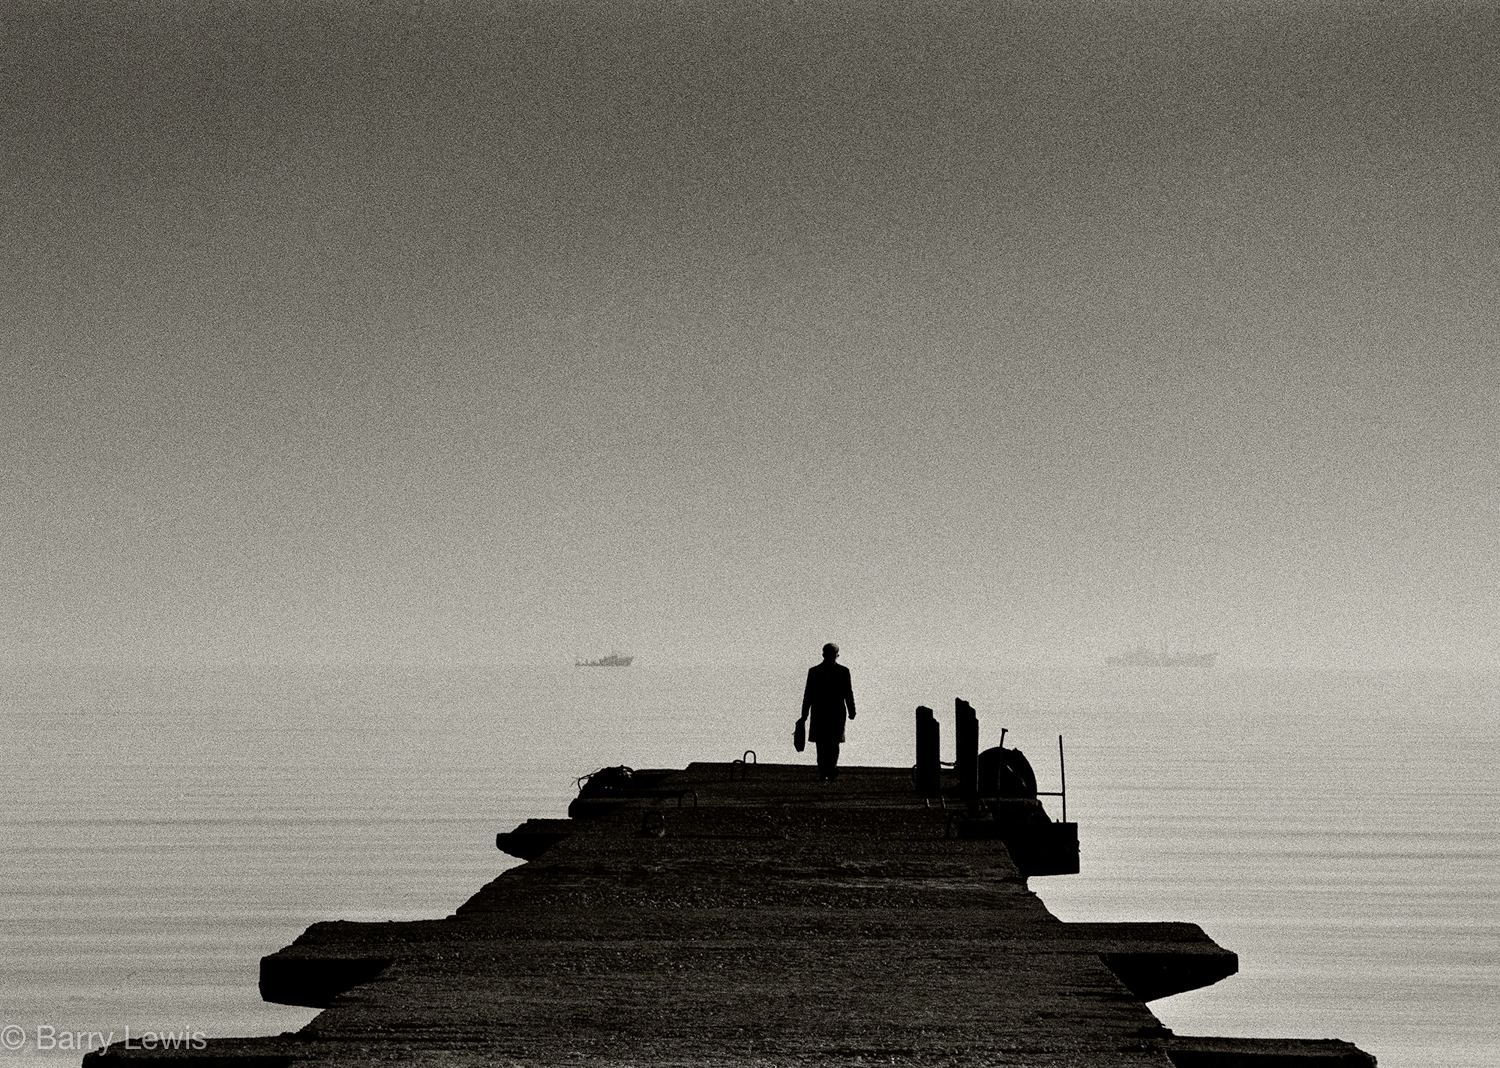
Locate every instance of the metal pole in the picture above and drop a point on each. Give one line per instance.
(1062, 769)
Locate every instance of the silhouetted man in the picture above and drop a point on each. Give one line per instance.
(830, 698)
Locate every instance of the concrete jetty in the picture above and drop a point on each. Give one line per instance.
(736, 913)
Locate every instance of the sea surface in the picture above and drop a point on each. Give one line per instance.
(165, 828)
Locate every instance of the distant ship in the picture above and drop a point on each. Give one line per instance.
(612, 660)
(1140, 656)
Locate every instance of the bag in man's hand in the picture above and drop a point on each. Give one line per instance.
(799, 735)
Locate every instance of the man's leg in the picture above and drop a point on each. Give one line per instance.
(828, 760)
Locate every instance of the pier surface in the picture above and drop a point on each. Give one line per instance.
(734, 914)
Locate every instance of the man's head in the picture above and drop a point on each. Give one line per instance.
(830, 651)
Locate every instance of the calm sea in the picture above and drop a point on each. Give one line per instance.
(165, 829)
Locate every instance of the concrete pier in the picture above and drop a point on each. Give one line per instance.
(740, 914)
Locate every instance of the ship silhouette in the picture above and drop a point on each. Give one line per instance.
(612, 660)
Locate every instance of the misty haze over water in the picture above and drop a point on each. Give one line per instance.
(464, 331)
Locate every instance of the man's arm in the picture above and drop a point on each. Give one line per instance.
(807, 694)
(849, 691)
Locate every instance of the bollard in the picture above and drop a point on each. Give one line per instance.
(927, 775)
(966, 753)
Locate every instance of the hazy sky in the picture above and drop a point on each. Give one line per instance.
(713, 331)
